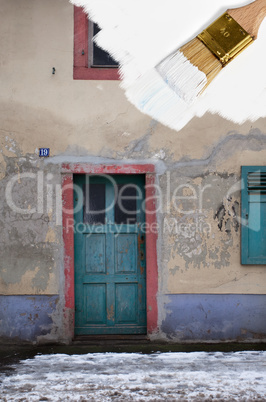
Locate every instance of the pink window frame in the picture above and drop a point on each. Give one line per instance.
(151, 236)
(81, 70)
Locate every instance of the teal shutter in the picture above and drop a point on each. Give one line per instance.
(253, 196)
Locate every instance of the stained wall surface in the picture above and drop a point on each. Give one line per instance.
(204, 291)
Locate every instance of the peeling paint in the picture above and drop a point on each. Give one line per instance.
(51, 236)
(26, 318)
(110, 313)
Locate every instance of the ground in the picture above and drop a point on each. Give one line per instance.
(69, 373)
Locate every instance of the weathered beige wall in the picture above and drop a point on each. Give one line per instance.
(55, 110)
(93, 118)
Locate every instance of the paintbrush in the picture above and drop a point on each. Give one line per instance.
(189, 70)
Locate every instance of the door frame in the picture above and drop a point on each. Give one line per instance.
(68, 170)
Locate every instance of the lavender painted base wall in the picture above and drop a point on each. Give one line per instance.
(202, 317)
(26, 317)
(188, 317)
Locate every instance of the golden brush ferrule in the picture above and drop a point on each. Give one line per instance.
(225, 38)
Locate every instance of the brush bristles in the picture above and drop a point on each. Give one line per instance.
(202, 58)
(190, 70)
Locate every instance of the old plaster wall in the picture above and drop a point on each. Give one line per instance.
(205, 291)
(202, 285)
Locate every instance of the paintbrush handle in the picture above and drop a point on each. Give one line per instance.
(250, 17)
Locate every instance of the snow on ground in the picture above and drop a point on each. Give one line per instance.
(197, 376)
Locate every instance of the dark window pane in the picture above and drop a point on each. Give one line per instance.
(100, 57)
(126, 204)
(94, 203)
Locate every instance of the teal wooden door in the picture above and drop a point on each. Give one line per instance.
(110, 274)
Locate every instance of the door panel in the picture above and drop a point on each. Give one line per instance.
(95, 247)
(94, 297)
(110, 275)
(126, 308)
(126, 253)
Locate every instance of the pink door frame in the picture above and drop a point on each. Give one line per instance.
(82, 71)
(68, 236)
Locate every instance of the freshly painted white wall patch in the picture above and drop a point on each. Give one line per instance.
(140, 34)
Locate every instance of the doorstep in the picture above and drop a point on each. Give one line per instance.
(110, 340)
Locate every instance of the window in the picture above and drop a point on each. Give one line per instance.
(126, 204)
(97, 56)
(90, 62)
(94, 205)
(253, 215)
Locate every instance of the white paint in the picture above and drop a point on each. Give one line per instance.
(141, 34)
(186, 80)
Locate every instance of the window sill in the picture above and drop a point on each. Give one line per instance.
(85, 73)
